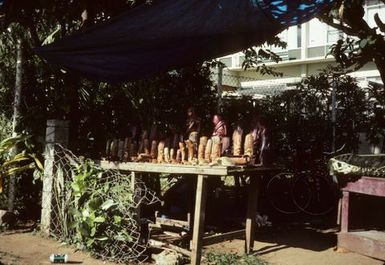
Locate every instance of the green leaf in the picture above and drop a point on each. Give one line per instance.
(100, 219)
(84, 229)
(106, 188)
(20, 169)
(93, 231)
(90, 242)
(85, 213)
(120, 237)
(39, 165)
(108, 204)
(363, 43)
(16, 159)
(52, 37)
(75, 186)
(102, 238)
(94, 204)
(117, 219)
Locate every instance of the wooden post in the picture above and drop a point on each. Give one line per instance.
(345, 212)
(133, 181)
(339, 211)
(56, 133)
(219, 87)
(251, 213)
(199, 220)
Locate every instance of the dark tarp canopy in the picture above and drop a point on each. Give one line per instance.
(172, 33)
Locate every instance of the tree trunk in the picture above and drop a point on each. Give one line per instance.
(380, 63)
(73, 82)
(16, 118)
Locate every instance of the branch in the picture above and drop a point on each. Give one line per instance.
(354, 16)
(35, 37)
(379, 22)
(339, 26)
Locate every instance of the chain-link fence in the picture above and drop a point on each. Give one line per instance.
(237, 85)
(97, 209)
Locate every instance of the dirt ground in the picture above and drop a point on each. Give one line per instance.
(298, 246)
(22, 247)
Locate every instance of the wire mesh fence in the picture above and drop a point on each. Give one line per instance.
(97, 209)
(246, 84)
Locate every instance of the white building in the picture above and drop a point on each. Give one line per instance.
(307, 47)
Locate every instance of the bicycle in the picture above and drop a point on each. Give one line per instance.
(310, 189)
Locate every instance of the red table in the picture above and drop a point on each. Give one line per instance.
(370, 243)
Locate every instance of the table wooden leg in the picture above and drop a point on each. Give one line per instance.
(199, 220)
(345, 212)
(251, 213)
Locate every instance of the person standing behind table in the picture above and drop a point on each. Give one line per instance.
(263, 140)
(220, 127)
(193, 126)
(219, 135)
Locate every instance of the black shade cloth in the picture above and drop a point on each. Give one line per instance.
(169, 34)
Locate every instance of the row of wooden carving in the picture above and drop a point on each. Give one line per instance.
(208, 150)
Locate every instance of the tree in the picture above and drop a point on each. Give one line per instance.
(98, 109)
(363, 43)
(256, 57)
(302, 117)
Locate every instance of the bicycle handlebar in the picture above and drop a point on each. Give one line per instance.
(334, 152)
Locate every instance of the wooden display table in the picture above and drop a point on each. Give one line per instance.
(202, 173)
(369, 243)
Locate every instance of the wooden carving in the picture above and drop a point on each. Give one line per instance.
(178, 158)
(201, 149)
(225, 144)
(166, 155)
(190, 150)
(249, 142)
(143, 138)
(153, 152)
(237, 141)
(216, 148)
(133, 149)
(172, 155)
(114, 148)
(153, 132)
(108, 149)
(208, 150)
(120, 149)
(146, 146)
(182, 152)
(160, 152)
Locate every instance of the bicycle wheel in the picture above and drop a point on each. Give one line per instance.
(300, 192)
(322, 194)
(279, 193)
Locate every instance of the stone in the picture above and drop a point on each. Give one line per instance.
(167, 257)
(7, 218)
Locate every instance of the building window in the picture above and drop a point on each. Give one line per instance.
(333, 35)
(299, 36)
(373, 2)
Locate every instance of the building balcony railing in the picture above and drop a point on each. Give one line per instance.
(235, 61)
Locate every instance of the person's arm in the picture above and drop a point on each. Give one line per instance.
(221, 131)
(263, 140)
(224, 130)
